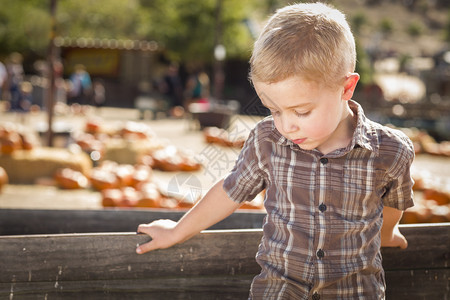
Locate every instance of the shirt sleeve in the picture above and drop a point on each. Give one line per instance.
(399, 192)
(246, 180)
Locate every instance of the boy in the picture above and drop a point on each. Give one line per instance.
(336, 183)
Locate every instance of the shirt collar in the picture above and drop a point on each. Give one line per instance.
(364, 136)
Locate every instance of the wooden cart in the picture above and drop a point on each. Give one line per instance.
(89, 254)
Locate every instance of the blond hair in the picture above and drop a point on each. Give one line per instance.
(311, 40)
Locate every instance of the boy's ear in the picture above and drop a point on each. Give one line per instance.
(350, 85)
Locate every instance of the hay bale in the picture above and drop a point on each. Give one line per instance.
(125, 151)
(24, 167)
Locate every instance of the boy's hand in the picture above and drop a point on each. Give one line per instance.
(396, 239)
(212, 208)
(390, 234)
(162, 234)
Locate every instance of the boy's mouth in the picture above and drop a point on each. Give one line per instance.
(299, 141)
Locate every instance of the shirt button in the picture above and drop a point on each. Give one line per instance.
(322, 207)
(320, 253)
(316, 296)
(324, 160)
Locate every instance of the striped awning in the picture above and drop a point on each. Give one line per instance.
(106, 43)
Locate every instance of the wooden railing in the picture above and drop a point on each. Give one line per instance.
(216, 264)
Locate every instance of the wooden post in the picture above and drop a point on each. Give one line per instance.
(51, 90)
(219, 76)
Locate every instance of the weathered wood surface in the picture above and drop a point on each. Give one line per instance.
(193, 287)
(212, 265)
(421, 271)
(420, 284)
(28, 221)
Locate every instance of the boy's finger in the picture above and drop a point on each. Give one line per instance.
(142, 228)
(404, 243)
(144, 248)
(140, 249)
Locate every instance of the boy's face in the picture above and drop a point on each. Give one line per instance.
(309, 114)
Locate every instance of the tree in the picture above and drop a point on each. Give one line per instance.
(185, 28)
(24, 26)
(111, 19)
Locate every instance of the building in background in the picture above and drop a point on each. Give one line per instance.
(120, 64)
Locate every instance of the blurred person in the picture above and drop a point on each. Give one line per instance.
(197, 87)
(172, 89)
(3, 78)
(81, 86)
(25, 100)
(99, 93)
(15, 72)
(26, 96)
(61, 88)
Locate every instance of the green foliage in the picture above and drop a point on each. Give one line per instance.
(112, 19)
(403, 61)
(415, 29)
(386, 26)
(187, 25)
(190, 25)
(358, 21)
(24, 26)
(447, 28)
(363, 66)
(185, 28)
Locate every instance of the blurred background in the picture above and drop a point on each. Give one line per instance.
(129, 47)
(74, 67)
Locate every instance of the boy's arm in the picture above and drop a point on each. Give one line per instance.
(214, 207)
(390, 234)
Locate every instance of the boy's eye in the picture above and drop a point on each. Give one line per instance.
(302, 114)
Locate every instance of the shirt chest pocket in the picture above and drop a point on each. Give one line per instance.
(358, 197)
(358, 179)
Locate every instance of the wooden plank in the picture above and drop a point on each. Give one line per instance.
(428, 247)
(420, 236)
(112, 256)
(421, 284)
(401, 285)
(193, 287)
(27, 221)
(105, 263)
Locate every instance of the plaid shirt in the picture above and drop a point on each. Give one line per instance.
(324, 212)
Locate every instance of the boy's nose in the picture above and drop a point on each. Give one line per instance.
(288, 124)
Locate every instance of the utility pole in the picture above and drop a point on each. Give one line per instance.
(51, 90)
(219, 53)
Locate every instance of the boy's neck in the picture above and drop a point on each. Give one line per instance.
(343, 134)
